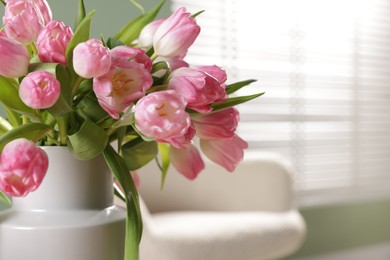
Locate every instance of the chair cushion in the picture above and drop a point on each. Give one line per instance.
(221, 235)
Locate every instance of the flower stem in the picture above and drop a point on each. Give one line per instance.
(76, 85)
(25, 120)
(62, 126)
(32, 49)
(154, 56)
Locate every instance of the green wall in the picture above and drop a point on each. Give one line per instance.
(339, 227)
(110, 16)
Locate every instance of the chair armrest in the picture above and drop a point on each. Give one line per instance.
(261, 182)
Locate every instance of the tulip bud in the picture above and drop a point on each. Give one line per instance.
(14, 58)
(198, 88)
(176, 34)
(162, 115)
(39, 89)
(91, 59)
(23, 166)
(52, 42)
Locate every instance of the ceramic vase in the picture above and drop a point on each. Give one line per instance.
(71, 216)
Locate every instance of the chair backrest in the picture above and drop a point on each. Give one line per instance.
(261, 182)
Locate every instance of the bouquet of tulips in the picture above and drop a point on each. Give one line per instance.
(60, 87)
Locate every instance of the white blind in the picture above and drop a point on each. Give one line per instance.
(325, 68)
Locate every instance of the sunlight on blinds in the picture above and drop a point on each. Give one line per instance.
(325, 68)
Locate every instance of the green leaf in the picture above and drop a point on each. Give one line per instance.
(64, 102)
(31, 131)
(13, 117)
(238, 85)
(4, 198)
(121, 133)
(9, 96)
(197, 13)
(231, 102)
(138, 153)
(134, 220)
(80, 13)
(5, 126)
(131, 30)
(89, 108)
(165, 162)
(112, 43)
(49, 67)
(88, 142)
(164, 67)
(126, 119)
(81, 34)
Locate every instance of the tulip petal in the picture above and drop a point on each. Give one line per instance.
(187, 161)
(225, 152)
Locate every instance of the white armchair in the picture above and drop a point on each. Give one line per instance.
(245, 215)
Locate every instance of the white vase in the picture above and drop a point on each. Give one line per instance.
(71, 216)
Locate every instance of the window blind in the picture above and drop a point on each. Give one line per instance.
(325, 68)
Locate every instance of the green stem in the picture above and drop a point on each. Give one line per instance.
(32, 48)
(25, 120)
(140, 7)
(110, 130)
(154, 56)
(62, 126)
(157, 88)
(3, 2)
(76, 86)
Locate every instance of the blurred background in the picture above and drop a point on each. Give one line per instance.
(325, 68)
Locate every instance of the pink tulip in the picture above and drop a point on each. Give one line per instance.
(24, 19)
(145, 39)
(91, 59)
(198, 88)
(14, 58)
(162, 115)
(225, 152)
(218, 125)
(187, 161)
(121, 86)
(128, 54)
(176, 34)
(22, 167)
(39, 89)
(52, 42)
